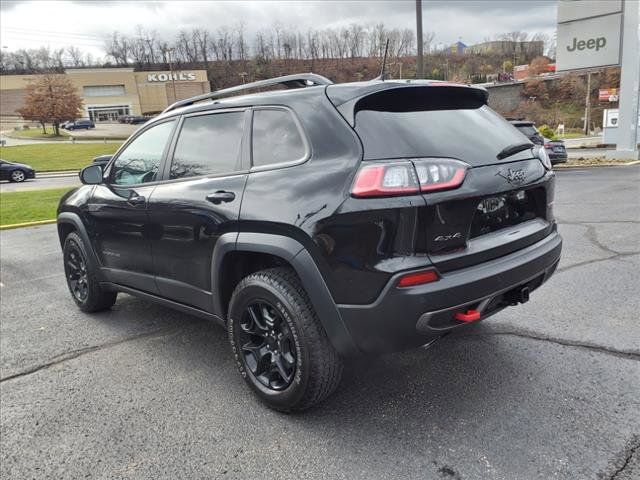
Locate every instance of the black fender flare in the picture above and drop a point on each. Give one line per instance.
(75, 220)
(302, 262)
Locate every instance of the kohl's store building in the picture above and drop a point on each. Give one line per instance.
(108, 93)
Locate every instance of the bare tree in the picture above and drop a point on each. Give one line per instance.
(74, 56)
(51, 99)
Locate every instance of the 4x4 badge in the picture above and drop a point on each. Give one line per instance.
(515, 177)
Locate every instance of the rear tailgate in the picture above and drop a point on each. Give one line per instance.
(502, 205)
(499, 209)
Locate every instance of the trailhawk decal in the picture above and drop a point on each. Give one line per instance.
(514, 177)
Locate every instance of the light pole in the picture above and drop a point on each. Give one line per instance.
(587, 105)
(420, 63)
(173, 81)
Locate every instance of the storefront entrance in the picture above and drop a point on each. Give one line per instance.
(108, 113)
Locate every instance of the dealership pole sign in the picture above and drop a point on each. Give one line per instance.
(589, 34)
(596, 34)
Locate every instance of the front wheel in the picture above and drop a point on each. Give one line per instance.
(17, 176)
(279, 345)
(82, 280)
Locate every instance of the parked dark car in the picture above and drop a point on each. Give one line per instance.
(15, 172)
(80, 125)
(317, 223)
(137, 119)
(555, 148)
(124, 118)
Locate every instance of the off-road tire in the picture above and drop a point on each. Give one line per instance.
(96, 299)
(318, 367)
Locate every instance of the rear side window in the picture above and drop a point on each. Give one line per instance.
(208, 145)
(276, 138)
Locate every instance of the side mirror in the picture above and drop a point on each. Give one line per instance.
(91, 175)
(102, 159)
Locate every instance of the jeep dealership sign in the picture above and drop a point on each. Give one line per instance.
(588, 34)
(165, 77)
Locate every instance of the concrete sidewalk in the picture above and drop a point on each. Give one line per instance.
(582, 142)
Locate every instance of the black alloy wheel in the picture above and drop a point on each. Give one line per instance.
(267, 345)
(81, 277)
(279, 345)
(75, 266)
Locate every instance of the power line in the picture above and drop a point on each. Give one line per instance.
(29, 31)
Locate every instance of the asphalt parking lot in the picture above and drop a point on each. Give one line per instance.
(550, 389)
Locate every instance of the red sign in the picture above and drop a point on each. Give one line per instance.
(608, 94)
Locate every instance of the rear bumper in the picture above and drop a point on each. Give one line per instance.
(409, 317)
(557, 157)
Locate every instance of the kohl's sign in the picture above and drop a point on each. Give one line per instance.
(165, 77)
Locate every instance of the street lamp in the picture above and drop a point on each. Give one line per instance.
(420, 60)
(173, 81)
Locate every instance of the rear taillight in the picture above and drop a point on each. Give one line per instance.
(383, 179)
(544, 158)
(440, 173)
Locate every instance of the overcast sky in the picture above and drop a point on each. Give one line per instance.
(31, 24)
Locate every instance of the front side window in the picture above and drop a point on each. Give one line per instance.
(208, 145)
(276, 138)
(140, 161)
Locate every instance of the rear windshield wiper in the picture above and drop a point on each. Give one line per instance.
(513, 149)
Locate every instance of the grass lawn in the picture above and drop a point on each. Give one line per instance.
(36, 133)
(50, 157)
(573, 135)
(30, 205)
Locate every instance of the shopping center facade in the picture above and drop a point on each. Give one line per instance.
(108, 93)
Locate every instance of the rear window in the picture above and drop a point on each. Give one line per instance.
(472, 135)
(276, 138)
(528, 130)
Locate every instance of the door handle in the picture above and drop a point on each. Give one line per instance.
(221, 196)
(136, 199)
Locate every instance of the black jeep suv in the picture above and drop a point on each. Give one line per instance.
(317, 222)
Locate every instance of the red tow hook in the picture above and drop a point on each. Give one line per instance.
(468, 316)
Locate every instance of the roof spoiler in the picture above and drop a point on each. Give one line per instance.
(393, 97)
(299, 80)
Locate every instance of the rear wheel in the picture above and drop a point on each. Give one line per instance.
(81, 278)
(17, 176)
(280, 348)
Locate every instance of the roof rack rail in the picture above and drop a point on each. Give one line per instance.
(298, 80)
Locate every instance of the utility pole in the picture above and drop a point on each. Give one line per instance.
(420, 65)
(587, 105)
(173, 81)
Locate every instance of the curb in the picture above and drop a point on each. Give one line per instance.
(596, 165)
(68, 139)
(27, 224)
(70, 173)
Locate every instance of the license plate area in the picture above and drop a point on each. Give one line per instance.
(505, 210)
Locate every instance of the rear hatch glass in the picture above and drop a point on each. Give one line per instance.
(475, 135)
